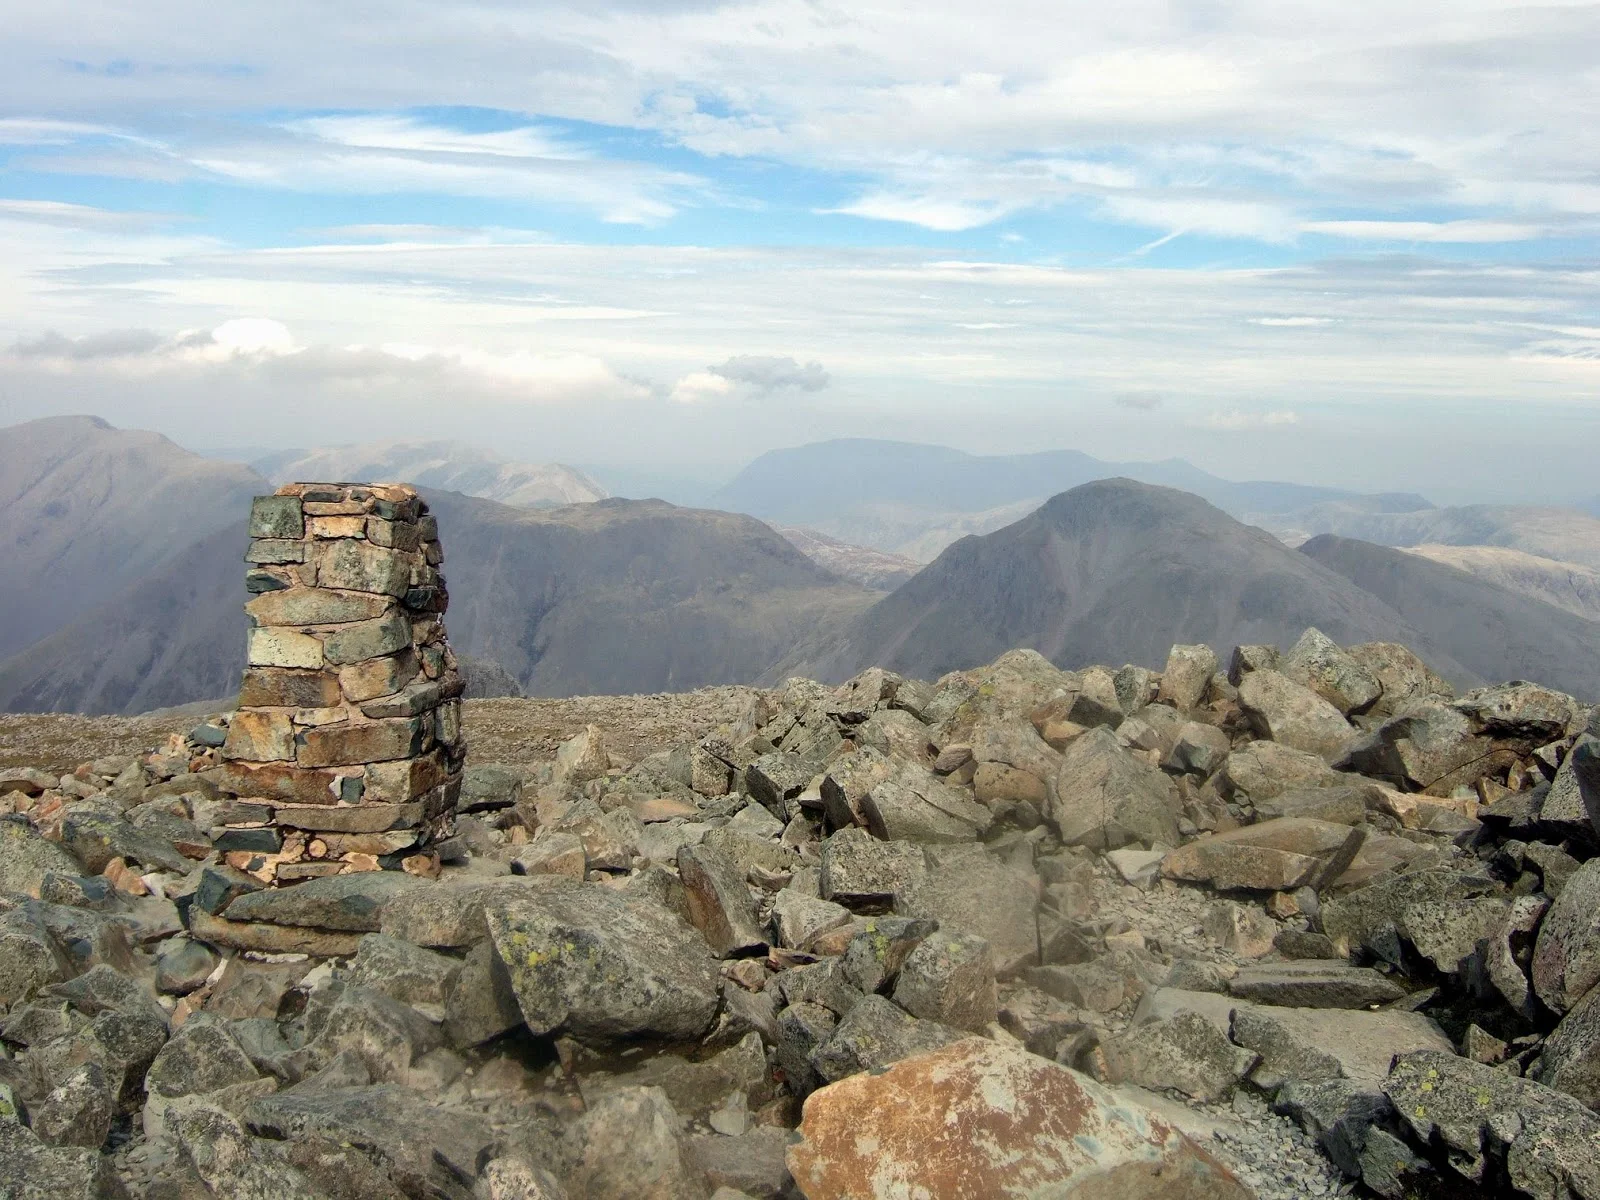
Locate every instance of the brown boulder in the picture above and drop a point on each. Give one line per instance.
(980, 1119)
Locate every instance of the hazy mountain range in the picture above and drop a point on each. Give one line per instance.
(446, 466)
(125, 560)
(914, 500)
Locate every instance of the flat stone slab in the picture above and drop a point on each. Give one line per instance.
(1314, 983)
(350, 903)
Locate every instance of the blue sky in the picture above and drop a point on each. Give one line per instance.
(1350, 243)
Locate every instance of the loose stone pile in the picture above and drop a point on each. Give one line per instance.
(346, 752)
(1308, 926)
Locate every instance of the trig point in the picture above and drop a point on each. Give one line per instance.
(348, 733)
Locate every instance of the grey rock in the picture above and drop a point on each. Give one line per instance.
(26, 858)
(78, 1110)
(823, 983)
(1283, 711)
(1520, 710)
(928, 811)
(1200, 749)
(798, 917)
(30, 1170)
(750, 1164)
(865, 874)
(720, 905)
(1467, 1107)
(1103, 797)
(1510, 950)
(1569, 1061)
(30, 958)
(349, 903)
(1317, 662)
(1446, 932)
(1354, 919)
(874, 1034)
(1404, 677)
(1566, 957)
(1185, 1053)
(94, 839)
(1183, 680)
(489, 787)
(596, 964)
(203, 1057)
(1309, 983)
(182, 965)
(480, 1002)
(1258, 771)
(1430, 745)
(949, 978)
(631, 1147)
(426, 1148)
(1278, 855)
(800, 1030)
(421, 978)
(967, 889)
(875, 955)
(387, 1035)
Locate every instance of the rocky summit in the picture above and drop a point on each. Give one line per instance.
(1305, 922)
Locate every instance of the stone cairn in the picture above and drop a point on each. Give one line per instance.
(346, 751)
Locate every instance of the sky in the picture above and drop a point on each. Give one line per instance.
(1342, 243)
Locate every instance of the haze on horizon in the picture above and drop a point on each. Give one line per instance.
(1348, 244)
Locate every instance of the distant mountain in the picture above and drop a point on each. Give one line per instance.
(613, 597)
(914, 499)
(446, 466)
(1493, 631)
(874, 569)
(86, 509)
(1563, 534)
(1566, 585)
(173, 636)
(1112, 571)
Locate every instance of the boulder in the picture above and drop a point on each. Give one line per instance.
(1317, 662)
(1403, 676)
(1566, 957)
(949, 978)
(1430, 747)
(426, 1148)
(1520, 710)
(1509, 952)
(1275, 856)
(926, 810)
(351, 903)
(1199, 749)
(1185, 677)
(1569, 1061)
(1314, 983)
(404, 972)
(865, 874)
(1258, 771)
(873, 1034)
(582, 757)
(1446, 932)
(26, 858)
(31, 1170)
(799, 917)
(1103, 797)
(1285, 712)
(1185, 1053)
(977, 1118)
(589, 961)
(720, 905)
(1545, 1138)
(967, 889)
(629, 1146)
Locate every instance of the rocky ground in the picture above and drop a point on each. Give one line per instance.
(1307, 926)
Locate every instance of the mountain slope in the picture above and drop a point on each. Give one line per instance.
(443, 466)
(1563, 534)
(85, 509)
(914, 499)
(874, 569)
(1112, 571)
(1566, 585)
(1495, 632)
(608, 598)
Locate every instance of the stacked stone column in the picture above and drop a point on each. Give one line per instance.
(347, 741)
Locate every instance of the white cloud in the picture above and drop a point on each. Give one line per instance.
(1291, 322)
(1469, 232)
(701, 387)
(1233, 420)
(770, 373)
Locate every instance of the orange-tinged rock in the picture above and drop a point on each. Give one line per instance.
(976, 1118)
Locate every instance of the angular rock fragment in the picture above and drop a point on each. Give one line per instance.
(1292, 715)
(949, 978)
(1277, 856)
(1317, 662)
(1102, 797)
(720, 905)
(1310, 983)
(979, 1119)
(589, 961)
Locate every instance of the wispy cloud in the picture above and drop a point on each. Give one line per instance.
(1233, 420)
